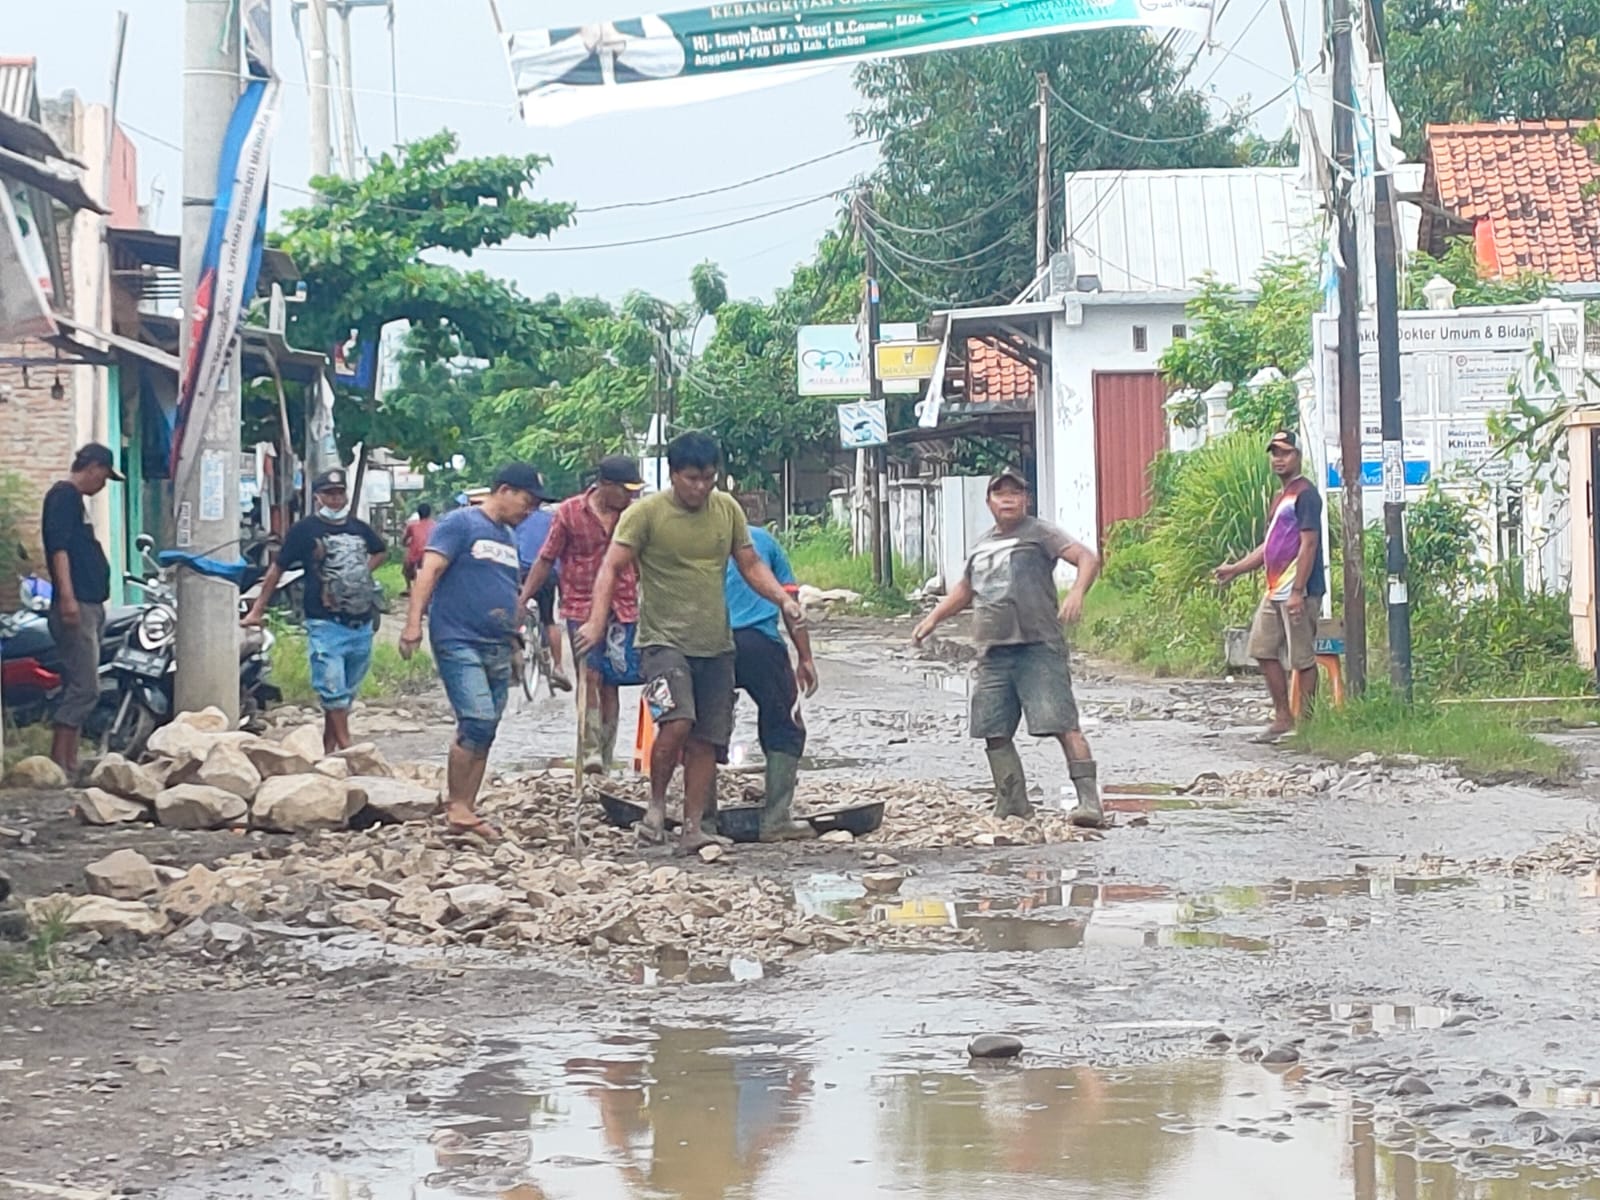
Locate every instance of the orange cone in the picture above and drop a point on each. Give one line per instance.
(644, 739)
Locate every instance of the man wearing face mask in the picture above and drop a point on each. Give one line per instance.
(339, 554)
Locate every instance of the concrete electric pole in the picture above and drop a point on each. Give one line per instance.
(1042, 201)
(1352, 519)
(317, 87)
(208, 501)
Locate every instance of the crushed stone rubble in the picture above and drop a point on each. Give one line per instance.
(1576, 854)
(370, 855)
(402, 879)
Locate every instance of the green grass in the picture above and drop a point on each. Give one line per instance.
(821, 557)
(22, 967)
(391, 578)
(25, 742)
(389, 677)
(1484, 743)
(1181, 641)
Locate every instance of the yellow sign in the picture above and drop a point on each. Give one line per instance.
(907, 360)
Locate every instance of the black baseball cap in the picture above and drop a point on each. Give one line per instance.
(1008, 475)
(1286, 439)
(330, 480)
(93, 454)
(524, 477)
(620, 469)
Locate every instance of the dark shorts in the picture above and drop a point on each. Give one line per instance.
(762, 671)
(699, 690)
(1033, 679)
(545, 598)
(618, 661)
(79, 648)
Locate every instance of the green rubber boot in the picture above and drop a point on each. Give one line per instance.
(1085, 778)
(777, 820)
(1010, 784)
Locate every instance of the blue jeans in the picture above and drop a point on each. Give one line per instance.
(340, 656)
(477, 679)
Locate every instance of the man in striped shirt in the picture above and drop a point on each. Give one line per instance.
(1283, 636)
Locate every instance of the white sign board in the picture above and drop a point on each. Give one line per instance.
(830, 360)
(863, 424)
(1457, 367)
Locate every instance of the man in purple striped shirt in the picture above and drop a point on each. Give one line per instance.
(1283, 636)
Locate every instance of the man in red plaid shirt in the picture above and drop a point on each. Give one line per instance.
(579, 537)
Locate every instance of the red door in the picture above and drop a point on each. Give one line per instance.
(1130, 429)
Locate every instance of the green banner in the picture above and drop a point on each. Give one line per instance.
(562, 74)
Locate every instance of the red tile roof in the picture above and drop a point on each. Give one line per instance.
(1520, 187)
(996, 377)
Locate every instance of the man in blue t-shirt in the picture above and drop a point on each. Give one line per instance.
(468, 587)
(761, 667)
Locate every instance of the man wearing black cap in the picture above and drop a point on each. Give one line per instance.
(1022, 665)
(81, 579)
(579, 537)
(468, 587)
(339, 554)
(1284, 632)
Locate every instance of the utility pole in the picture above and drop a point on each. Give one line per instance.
(208, 627)
(878, 491)
(1041, 238)
(317, 86)
(347, 95)
(1384, 242)
(1344, 153)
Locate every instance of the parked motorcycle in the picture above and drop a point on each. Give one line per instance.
(145, 668)
(30, 664)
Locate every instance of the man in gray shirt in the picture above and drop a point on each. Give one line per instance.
(1017, 626)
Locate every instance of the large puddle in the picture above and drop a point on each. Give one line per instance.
(749, 1112)
(1013, 906)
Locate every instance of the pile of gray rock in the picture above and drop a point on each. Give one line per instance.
(201, 775)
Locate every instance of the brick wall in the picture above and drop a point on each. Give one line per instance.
(36, 433)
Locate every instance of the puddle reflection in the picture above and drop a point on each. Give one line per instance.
(1017, 906)
(707, 1114)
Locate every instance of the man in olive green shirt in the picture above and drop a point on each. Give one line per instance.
(681, 540)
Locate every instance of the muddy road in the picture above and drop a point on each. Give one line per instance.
(1303, 981)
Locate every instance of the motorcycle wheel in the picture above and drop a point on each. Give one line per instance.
(130, 729)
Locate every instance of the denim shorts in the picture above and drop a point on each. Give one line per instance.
(477, 679)
(340, 656)
(618, 662)
(1009, 682)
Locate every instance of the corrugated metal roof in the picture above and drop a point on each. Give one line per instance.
(1158, 231)
(19, 93)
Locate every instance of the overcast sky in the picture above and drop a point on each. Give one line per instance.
(452, 73)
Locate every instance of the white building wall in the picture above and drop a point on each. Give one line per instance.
(1103, 341)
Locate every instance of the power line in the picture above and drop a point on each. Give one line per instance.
(881, 243)
(729, 187)
(664, 237)
(732, 186)
(1144, 139)
(951, 228)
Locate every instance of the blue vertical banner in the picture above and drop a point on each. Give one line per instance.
(232, 260)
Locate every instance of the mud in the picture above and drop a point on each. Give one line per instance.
(1271, 992)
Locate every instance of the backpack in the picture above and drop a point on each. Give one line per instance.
(348, 588)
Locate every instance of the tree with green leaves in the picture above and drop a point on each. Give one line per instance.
(363, 248)
(952, 202)
(1451, 62)
(1231, 338)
